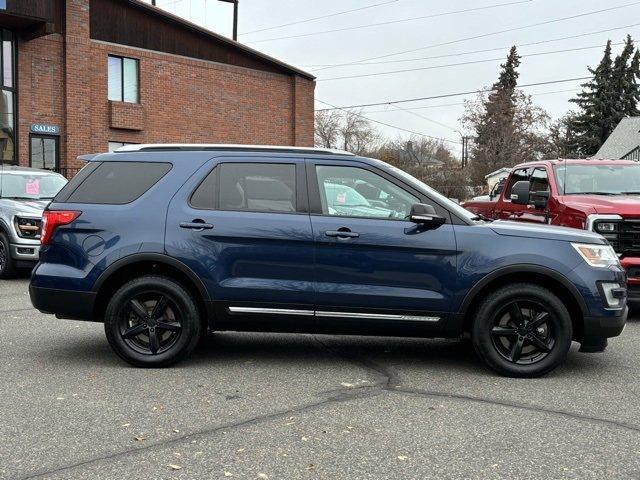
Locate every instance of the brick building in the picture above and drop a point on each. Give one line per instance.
(84, 76)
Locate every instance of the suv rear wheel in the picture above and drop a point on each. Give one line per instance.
(152, 321)
(522, 330)
(7, 270)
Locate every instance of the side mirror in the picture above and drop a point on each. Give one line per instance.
(520, 193)
(426, 216)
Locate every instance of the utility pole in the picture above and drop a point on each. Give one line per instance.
(465, 151)
(235, 17)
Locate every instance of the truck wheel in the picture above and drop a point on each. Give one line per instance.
(7, 269)
(152, 321)
(522, 330)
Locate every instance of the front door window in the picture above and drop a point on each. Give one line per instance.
(44, 152)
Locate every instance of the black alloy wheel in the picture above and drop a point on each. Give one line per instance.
(522, 330)
(153, 321)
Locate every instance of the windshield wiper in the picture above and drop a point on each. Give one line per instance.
(19, 198)
(629, 193)
(481, 217)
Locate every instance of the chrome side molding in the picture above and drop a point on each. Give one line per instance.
(328, 314)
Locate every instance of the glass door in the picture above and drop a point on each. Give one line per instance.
(44, 152)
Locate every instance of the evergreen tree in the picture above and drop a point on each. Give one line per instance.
(495, 129)
(590, 127)
(610, 96)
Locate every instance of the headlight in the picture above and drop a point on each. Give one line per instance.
(597, 255)
(606, 227)
(26, 227)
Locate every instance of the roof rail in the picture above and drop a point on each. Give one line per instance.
(148, 147)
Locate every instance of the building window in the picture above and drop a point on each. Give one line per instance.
(113, 146)
(123, 79)
(44, 152)
(7, 98)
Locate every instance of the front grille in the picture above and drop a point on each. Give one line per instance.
(628, 241)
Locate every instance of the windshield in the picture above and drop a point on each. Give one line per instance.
(441, 199)
(30, 185)
(598, 179)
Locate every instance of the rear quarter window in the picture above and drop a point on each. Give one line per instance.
(113, 183)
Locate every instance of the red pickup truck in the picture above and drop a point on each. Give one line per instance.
(598, 195)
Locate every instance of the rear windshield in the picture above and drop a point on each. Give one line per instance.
(112, 183)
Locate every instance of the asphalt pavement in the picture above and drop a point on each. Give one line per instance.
(263, 406)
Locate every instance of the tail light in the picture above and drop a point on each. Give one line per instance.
(52, 219)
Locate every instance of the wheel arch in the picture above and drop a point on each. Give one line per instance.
(123, 270)
(526, 273)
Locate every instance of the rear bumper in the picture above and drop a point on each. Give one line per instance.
(63, 303)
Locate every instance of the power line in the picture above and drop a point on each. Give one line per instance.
(333, 107)
(321, 17)
(472, 52)
(484, 35)
(459, 104)
(391, 22)
(415, 114)
(472, 62)
(448, 95)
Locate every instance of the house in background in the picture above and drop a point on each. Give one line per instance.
(624, 141)
(495, 177)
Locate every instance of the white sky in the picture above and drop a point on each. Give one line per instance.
(355, 45)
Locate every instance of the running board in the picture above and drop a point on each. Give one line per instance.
(328, 314)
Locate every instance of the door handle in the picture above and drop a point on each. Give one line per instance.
(341, 234)
(196, 225)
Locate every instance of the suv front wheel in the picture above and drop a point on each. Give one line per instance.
(152, 321)
(522, 330)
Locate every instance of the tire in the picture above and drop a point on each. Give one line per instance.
(7, 268)
(152, 321)
(530, 344)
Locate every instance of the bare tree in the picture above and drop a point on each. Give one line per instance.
(347, 130)
(430, 161)
(327, 128)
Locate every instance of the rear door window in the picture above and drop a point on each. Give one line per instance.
(118, 183)
(257, 187)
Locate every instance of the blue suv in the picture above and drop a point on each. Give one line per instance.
(166, 243)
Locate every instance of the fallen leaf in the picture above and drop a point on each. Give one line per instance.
(402, 457)
(304, 439)
(140, 439)
(240, 450)
(228, 474)
(311, 467)
(349, 428)
(174, 467)
(175, 430)
(264, 476)
(126, 424)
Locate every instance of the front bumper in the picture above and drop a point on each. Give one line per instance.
(65, 303)
(28, 252)
(632, 267)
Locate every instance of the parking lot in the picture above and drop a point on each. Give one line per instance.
(301, 406)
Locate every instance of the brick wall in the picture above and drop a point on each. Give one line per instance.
(63, 81)
(188, 100)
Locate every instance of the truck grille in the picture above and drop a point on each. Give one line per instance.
(628, 241)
